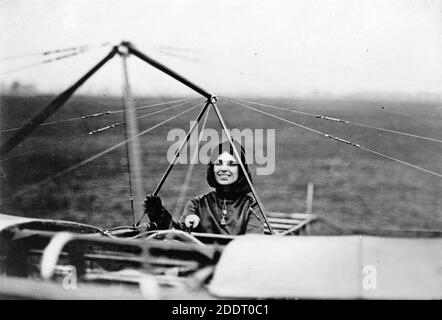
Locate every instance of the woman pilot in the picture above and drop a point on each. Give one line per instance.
(230, 209)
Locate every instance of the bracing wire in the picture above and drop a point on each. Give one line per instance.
(338, 139)
(324, 117)
(72, 52)
(137, 118)
(100, 114)
(100, 130)
(185, 54)
(55, 51)
(102, 153)
(175, 48)
(28, 66)
(401, 161)
(179, 56)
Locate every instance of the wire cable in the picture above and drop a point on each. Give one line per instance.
(100, 114)
(56, 51)
(342, 121)
(76, 51)
(102, 153)
(137, 118)
(338, 139)
(70, 55)
(100, 130)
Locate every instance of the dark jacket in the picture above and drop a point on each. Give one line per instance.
(243, 214)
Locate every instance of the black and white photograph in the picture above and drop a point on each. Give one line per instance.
(238, 151)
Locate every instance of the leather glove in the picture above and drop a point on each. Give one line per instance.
(152, 203)
(158, 215)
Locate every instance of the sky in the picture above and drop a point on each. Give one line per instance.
(230, 47)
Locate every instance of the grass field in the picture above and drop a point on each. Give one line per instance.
(353, 188)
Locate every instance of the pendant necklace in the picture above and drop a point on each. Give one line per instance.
(224, 214)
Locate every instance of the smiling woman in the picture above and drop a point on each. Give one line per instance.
(225, 169)
(230, 209)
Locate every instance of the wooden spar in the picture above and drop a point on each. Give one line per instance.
(183, 144)
(48, 110)
(133, 146)
(226, 130)
(166, 70)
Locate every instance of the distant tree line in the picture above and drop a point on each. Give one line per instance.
(16, 88)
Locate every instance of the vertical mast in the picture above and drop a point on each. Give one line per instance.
(134, 150)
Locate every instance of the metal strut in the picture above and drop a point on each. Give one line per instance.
(126, 48)
(210, 102)
(173, 162)
(166, 70)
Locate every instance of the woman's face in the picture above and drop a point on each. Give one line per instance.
(226, 169)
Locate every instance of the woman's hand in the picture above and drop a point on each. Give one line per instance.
(157, 214)
(152, 203)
